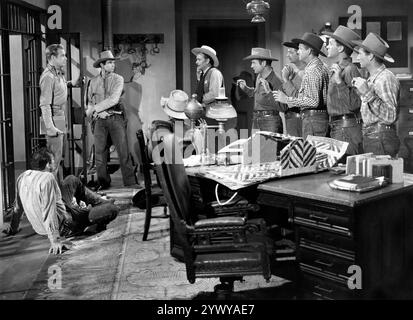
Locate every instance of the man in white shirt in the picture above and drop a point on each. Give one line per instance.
(53, 212)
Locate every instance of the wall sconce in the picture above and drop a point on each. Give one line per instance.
(326, 28)
(258, 8)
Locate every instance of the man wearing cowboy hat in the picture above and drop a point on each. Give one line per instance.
(104, 104)
(210, 78)
(312, 96)
(266, 115)
(292, 75)
(343, 102)
(379, 97)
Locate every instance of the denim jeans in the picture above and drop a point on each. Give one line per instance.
(315, 125)
(294, 124)
(349, 131)
(114, 125)
(272, 123)
(100, 213)
(384, 142)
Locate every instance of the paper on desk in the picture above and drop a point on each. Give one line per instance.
(240, 176)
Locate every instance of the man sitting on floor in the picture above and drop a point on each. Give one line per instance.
(54, 212)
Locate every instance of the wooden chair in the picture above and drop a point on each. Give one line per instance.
(228, 247)
(153, 194)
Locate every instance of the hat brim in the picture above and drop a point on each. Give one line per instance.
(254, 56)
(196, 51)
(97, 63)
(341, 40)
(308, 44)
(290, 45)
(360, 44)
(174, 114)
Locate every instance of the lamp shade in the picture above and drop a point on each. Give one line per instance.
(221, 110)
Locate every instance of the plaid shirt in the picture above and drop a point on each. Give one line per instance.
(381, 103)
(313, 91)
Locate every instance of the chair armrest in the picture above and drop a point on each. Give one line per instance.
(220, 222)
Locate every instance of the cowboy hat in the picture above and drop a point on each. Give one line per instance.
(104, 56)
(311, 40)
(208, 51)
(260, 53)
(291, 45)
(175, 105)
(344, 35)
(376, 45)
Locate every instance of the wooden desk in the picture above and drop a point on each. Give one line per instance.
(337, 229)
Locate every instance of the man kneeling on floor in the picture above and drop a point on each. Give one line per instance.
(53, 212)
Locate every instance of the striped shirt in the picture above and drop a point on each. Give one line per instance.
(38, 195)
(381, 103)
(313, 90)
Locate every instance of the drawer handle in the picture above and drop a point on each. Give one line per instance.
(410, 110)
(322, 218)
(410, 133)
(326, 264)
(411, 89)
(318, 287)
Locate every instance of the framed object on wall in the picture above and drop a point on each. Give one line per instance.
(393, 30)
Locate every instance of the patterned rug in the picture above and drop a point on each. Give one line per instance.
(116, 264)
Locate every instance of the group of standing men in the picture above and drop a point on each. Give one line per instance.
(322, 100)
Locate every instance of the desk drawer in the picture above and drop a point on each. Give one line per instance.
(333, 241)
(333, 262)
(320, 288)
(323, 217)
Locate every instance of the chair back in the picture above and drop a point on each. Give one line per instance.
(173, 179)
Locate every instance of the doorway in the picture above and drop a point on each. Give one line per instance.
(232, 40)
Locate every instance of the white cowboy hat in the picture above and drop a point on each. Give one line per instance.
(175, 105)
(209, 51)
(104, 56)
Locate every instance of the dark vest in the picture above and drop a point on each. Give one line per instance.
(203, 84)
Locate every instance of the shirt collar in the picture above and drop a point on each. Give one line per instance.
(313, 61)
(107, 76)
(373, 76)
(54, 70)
(345, 62)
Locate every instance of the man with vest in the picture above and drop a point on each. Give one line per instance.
(312, 96)
(210, 80)
(266, 116)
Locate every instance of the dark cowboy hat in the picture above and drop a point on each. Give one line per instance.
(376, 45)
(311, 40)
(104, 56)
(344, 35)
(260, 53)
(291, 45)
